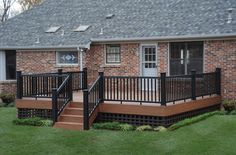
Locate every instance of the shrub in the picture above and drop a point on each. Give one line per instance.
(126, 127)
(108, 126)
(160, 129)
(144, 128)
(113, 126)
(33, 122)
(222, 112)
(233, 112)
(47, 123)
(7, 98)
(229, 105)
(192, 120)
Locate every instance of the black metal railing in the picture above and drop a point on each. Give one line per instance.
(78, 80)
(61, 96)
(128, 89)
(41, 85)
(161, 90)
(178, 88)
(92, 98)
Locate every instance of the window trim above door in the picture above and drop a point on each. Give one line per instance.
(140, 55)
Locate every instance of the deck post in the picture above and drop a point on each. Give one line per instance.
(54, 105)
(163, 89)
(19, 79)
(193, 84)
(101, 86)
(70, 87)
(86, 110)
(59, 71)
(85, 78)
(218, 81)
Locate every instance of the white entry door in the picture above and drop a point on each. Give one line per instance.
(149, 65)
(149, 61)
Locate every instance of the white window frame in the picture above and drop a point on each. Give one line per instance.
(67, 64)
(112, 63)
(2, 66)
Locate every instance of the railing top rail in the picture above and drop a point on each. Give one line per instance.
(74, 72)
(93, 85)
(46, 75)
(200, 74)
(53, 73)
(63, 84)
(140, 77)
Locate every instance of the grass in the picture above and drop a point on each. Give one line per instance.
(215, 135)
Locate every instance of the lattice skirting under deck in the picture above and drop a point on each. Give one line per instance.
(28, 113)
(154, 121)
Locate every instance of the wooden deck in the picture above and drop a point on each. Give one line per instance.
(78, 97)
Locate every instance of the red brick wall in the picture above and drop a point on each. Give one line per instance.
(163, 49)
(40, 62)
(217, 54)
(129, 66)
(8, 87)
(223, 54)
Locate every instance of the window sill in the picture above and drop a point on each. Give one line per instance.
(111, 66)
(64, 65)
(7, 81)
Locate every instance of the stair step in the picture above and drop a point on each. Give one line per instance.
(76, 105)
(73, 111)
(69, 125)
(71, 118)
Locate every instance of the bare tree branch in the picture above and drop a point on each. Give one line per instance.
(7, 4)
(28, 4)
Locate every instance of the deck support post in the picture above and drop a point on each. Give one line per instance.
(101, 88)
(54, 105)
(59, 71)
(193, 84)
(163, 89)
(19, 79)
(86, 110)
(218, 81)
(70, 87)
(85, 78)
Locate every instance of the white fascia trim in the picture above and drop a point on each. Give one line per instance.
(83, 46)
(165, 38)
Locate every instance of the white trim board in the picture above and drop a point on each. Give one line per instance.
(2, 66)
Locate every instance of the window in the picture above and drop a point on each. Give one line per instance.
(53, 29)
(10, 65)
(185, 57)
(82, 28)
(113, 54)
(67, 58)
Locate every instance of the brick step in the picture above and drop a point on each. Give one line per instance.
(73, 111)
(76, 105)
(69, 125)
(71, 118)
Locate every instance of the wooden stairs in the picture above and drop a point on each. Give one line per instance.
(71, 118)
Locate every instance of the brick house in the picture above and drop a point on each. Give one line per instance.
(129, 37)
(181, 36)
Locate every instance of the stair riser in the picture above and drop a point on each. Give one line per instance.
(71, 119)
(76, 105)
(69, 127)
(73, 112)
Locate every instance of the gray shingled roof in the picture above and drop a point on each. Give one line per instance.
(133, 19)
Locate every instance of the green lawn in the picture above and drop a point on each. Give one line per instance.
(216, 135)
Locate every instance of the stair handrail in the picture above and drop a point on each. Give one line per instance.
(92, 98)
(61, 96)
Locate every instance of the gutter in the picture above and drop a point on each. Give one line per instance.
(77, 47)
(166, 38)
